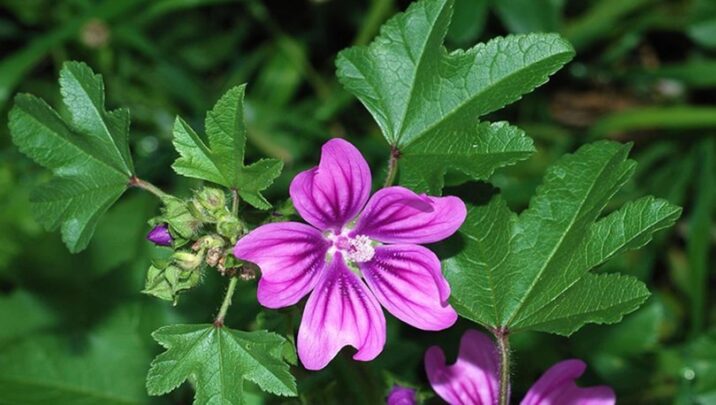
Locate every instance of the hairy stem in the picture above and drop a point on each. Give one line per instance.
(219, 321)
(503, 346)
(392, 166)
(135, 181)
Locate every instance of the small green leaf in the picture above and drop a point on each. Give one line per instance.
(531, 272)
(418, 91)
(222, 160)
(218, 360)
(89, 155)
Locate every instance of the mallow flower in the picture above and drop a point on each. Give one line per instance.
(159, 235)
(354, 255)
(474, 379)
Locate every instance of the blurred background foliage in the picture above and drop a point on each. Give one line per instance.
(75, 328)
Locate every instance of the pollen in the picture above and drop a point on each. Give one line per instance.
(361, 249)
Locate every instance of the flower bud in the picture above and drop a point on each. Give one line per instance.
(229, 227)
(208, 242)
(159, 235)
(199, 211)
(212, 199)
(177, 215)
(187, 261)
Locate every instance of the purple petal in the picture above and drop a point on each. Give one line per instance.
(159, 235)
(401, 396)
(407, 281)
(557, 386)
(341, 311)
(473, 378)
(291, 256)
(398, 215)
(333, 193)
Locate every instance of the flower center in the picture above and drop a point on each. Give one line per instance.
(361, 249)
(358, 249)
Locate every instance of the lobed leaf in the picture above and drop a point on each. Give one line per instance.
(531, 272)
(218, 360)
(222, 160)
(88, 155)
(418, 91)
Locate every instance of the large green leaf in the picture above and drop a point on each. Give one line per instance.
(222, 161)
(426, 99)
(88, 154)
(531, 272)
(218, 360)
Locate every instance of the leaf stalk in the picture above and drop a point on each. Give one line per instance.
(234, 202)
(392, 166)
(135, 181)
(503, 346)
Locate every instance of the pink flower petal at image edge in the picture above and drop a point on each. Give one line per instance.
(351, 271)
(473, 379)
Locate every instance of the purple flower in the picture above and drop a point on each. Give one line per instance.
(159, 235)
(354, 263)
(473, 379)
(401, 396)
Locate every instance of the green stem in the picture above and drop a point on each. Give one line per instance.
(135, 181)
(503, 346)
(392, 167)
(235, 202)
(219, 321)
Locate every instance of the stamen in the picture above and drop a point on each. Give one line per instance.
(361, 249)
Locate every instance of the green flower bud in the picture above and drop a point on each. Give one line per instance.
(199, 211)
(176, 214)
(157, 285)
(167, 283)
(187, 260)
(229, 227)
(212, 199)
(208, 242)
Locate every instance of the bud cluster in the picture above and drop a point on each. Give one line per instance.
(200, 231)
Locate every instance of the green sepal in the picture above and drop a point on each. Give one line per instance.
(166, 282)
(182, 223)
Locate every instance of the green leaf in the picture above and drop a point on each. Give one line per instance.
(222, 160)
(217, 360)
(477, 154)
(88, 154)
(419, 94)
(531, 272)
(102, 367)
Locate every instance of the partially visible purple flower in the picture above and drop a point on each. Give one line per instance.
(356, 255)
(473, 379)
(399, 395)
(159, 235)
